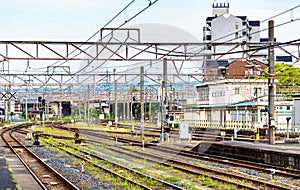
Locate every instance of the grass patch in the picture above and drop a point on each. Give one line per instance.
(53, 131)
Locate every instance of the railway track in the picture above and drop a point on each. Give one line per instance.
(176, 186)
(265, 168)
(166, 184)
(170, 152)
(282, 172)
(135, 177)
(46, 176)
(197, 134)
(196, 169)
(212, 172)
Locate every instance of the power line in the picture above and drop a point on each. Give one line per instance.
(130, 19)
(241, 30)
(92, 36)
(289, 10)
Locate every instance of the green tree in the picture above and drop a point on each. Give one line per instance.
(288, 77)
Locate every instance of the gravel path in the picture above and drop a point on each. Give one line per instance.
(73, 173)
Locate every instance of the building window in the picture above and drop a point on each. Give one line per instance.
(236, 35)
(236, 25)
(257, 92)
(288, 107)
(203, 94)
(236, 90)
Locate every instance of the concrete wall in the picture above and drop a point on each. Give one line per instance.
(277, 158)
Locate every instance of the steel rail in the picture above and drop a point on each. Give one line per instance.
(19, 157)
(56, 173)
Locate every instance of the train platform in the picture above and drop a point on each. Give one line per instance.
(279, 154)
(17, 177)
(6, 180)
(293, 148)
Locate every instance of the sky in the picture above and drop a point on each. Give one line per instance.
(77, 20)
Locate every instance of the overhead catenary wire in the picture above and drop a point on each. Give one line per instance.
(120, 12)
(224, 36)
(130, 19)
(241, 30)
(198, 53)
(243, 51)
(105, 25)
(91, 37)
(134, 16)
(191, 55)
(225, 53)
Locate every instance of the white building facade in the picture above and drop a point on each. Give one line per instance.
(223, 27)
(235, 104)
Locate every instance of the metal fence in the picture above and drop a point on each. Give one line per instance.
(240, 125)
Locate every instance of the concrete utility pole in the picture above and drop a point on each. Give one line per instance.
(88, 106)
(271, 84)
(142, 101)
(164, 100)
(116, 100)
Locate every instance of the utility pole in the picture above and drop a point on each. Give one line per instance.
(150, 114)
(142, 101)
(171, 97)
(131, 102)
(164, 101)
(271, 83)
(116, 100)
(128, 117)
(88, 106)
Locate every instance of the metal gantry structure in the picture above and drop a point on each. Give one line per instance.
(161, 63)
(96, 54)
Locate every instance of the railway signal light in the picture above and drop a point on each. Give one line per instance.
(43, 102)
(40, 99)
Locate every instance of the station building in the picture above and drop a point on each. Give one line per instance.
(240, 104)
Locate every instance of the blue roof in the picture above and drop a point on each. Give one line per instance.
(212, 106)
(238, 104)
(242, 104)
